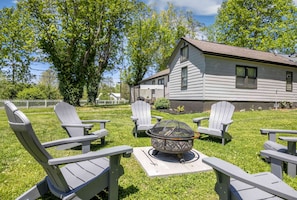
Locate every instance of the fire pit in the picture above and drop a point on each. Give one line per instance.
(171, 136)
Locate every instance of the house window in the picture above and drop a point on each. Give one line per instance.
(161, 81)
(153, 82)
(289, 81)
(184, 53)
(246, 77)
(184, 78)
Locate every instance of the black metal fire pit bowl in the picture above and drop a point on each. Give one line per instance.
(171, 136)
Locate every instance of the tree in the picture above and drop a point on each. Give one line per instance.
(259, 24)
(113, 20)
(9, 90)
(152, 38)
(106, 87)
(48, 84)
(80, 39)
(31, 93)
(49, 78)
(123, 89)
(17, 45)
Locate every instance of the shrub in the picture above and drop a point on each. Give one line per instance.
(31, 93)
(162, 103)
(286, 104)
(180, 109)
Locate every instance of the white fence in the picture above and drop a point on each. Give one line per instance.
(52, 103)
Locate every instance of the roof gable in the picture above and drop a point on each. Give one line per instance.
(157, 75)
(223, 50)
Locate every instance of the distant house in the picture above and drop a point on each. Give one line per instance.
(115, 96)
(153, 87)
(202, 73)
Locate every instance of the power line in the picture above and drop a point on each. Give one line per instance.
(41, 70)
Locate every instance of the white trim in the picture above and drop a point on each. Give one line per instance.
(151, 87)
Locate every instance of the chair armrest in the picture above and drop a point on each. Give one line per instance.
(157, 117)
(85, 126)
(279, 156)
(272, 133)
(102, 122)
(276, 162)
(197, 120)
(78, 139)
(227, 122)
(288, 139)
(269, 131)
(222, 167)
(134, 119)
(225, 167)
(113, 151)
(95, 121)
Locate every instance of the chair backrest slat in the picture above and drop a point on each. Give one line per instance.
(23, 130)
(221, 111)
(142, 111)
(67, 114)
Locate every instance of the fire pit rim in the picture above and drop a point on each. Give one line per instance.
(196, 135)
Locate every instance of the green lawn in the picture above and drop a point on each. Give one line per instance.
(19, 171)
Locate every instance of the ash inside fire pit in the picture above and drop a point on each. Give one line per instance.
(171, 136)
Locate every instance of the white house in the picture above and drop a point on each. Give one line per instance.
(115, 96)
(152, 88)
(202, 73)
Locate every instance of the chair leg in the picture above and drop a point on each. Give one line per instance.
(277, 167)
(222, 186)
(135, 131)
(103, 140)
(114, 174)
(86, 146)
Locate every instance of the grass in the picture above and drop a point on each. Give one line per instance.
(19, 171)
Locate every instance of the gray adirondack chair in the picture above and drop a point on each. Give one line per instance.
(141, 116)
(80, 177)
(74, 126)
(277, 160)
(272, 144)
(218, 122)
(234, 183)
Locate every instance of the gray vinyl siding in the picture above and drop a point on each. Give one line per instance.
(194, 90)
(220, 81)
(213, 78)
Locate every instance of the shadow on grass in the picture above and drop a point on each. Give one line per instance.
(104, 194)
(139, 133)
(213, 139)
(122, 193)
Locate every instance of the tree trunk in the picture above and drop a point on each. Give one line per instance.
(92, 91)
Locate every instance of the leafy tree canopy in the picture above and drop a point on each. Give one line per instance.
(257, 24)
(80, 39)
(31, 93)
(152, 38)
(17, 44)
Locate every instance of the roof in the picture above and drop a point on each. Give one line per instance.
(239, 52)
(117, 95)
(157, 75)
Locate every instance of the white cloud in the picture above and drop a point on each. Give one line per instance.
(198, 7)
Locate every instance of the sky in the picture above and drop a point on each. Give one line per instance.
(204, 11)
